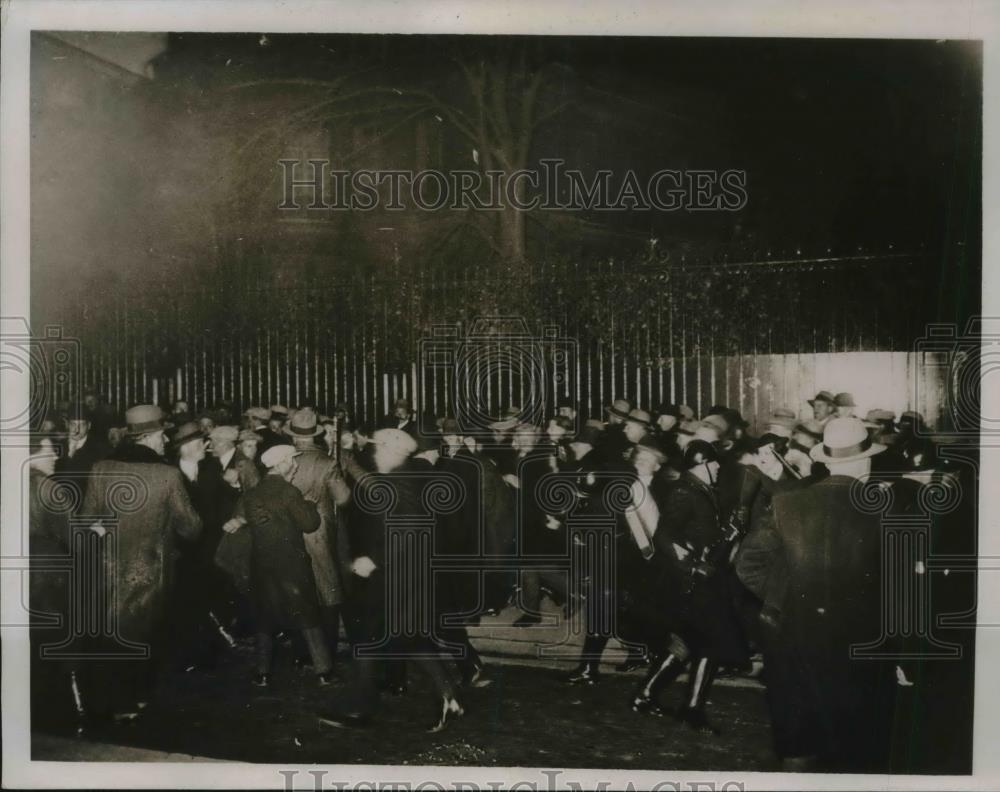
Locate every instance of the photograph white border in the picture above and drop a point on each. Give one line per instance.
(943, 19)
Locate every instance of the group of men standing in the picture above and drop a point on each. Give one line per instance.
(687, 540)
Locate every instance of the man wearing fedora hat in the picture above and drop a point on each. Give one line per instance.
(141, 501)
(320, 480)
(843, 405)
(823, 597)
(274, 433)
(615, 445)
(823, 405)
(401, 418)
(81, 450)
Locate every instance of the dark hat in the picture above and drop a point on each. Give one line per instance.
(780, 443)
(824, 396)
(401, 403)
(562, 422)
(716, 409)
(144, 418)
(77, 412)
(844, 399)
(588, 434)
(187, 431)
(278, 413)
(698, 452)
(450, 426)
(566, 401)
(734, 417)
(640, 417)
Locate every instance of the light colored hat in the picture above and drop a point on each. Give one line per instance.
(782, 422)
(620, 408)
(511, 418)
(250, 434)
(395, 440)
(304, 423)
(640, 417)
(686, 412)
(277, 454)
(259, 413)
(224, 434)
(643, 447)
(845, 440)
(144, 418)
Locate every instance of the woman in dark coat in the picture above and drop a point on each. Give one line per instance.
(282, 585)
(692, 549)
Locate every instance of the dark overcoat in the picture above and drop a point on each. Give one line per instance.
(824, 702)
(142, 503)
(699, 588)
(281, 577)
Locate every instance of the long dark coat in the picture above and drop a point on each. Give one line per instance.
(702, 610)
(281, 577)
(143, 505)
(822, 701)
(76, 468)
(461, 533)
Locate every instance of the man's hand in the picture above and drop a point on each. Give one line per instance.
(233, 525)
(682, 552)
(552, 523)
(363, 566)
(98, 528)
(511, 479)
(231, 477)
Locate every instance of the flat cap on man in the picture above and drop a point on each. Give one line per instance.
(278, 454)
(224, 434)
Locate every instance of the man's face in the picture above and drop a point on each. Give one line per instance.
(78, 428)
(645, 463)
(844, 411)
(157, 441)
(453, 441)
(634, 431)
(249, 448)
(193, 450)
(90, 401)
(221, 447)
(44, 459)
(567, 412)
(402, 412)
(206, 424)
(614, 420)
(275, 424)
(666, 422)
(524, 441)
(821, 409)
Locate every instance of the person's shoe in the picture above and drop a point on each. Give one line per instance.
(261, 681)
(474, 678)
(302, 662)
(586, 674)
(645, 705)
(326, 679)
(345, 720)
(450, 709)
(695, 718)
(125, 717)
(528, 620)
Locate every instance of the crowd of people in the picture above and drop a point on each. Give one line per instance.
(276, 524)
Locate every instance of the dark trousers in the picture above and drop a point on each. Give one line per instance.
(316, 645)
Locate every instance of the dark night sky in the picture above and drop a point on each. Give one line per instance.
(846, 143)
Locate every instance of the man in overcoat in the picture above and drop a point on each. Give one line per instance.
(823, 598)
(283, 589)
(139, 504)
